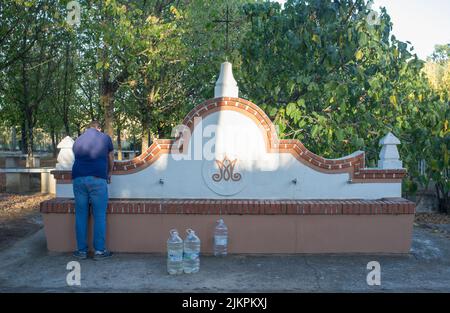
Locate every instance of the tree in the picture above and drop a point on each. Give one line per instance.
(106, 39)
(15, 15)
(437, 69)
(441, 53)
(432, 131)
(324, 74)
(330, 77)
(155, 87)
(28, 78)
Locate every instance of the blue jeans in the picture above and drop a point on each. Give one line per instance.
(94, 191)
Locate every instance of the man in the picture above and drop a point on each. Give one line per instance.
(91, 172)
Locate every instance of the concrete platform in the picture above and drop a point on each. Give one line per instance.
(28, 266)
(19, 180)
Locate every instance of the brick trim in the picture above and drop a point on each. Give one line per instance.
(353, 165)
(242, 207)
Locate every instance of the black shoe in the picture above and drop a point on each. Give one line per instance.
(100, 255)
(80, 255)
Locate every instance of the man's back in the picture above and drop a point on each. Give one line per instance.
(91, 151)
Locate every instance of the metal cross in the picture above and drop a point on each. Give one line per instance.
(227, 22)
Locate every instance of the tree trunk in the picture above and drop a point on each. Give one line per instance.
(134, 143)
(23, 135)
(13, 138)
(144, 139)
(145, 135)
(30, 139)
(119, 144)
(66, 91)
(107, 102)
(78, 129)
(443, 198)
(66, 126)
(160, 132)
(52, 135)
(107, 93)
(28, 115)
(145, 108)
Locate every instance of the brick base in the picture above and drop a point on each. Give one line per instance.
(242, 207)
(264, 226)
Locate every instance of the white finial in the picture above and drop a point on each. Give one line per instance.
(65, 155)
(226, 85)
(389, 157)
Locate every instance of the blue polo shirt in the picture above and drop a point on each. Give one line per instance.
(91, 151)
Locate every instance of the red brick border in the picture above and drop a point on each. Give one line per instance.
(353, 165)
(242, 207)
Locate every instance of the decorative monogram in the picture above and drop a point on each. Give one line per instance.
(226, 171)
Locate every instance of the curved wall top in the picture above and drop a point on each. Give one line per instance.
(247, 160)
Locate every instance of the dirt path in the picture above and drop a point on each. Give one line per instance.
(436, 222)
(19, 216)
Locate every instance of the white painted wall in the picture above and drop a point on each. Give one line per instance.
(264, 175)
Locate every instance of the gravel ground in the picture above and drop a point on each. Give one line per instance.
(432, 218)
(19, 216)
(435, 222)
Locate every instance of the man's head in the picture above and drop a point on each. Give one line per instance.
(96, 125)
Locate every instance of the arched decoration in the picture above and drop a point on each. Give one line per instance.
(352, 164)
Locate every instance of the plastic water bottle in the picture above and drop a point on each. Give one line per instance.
(191, 256)
(174, 253)
(220, 239)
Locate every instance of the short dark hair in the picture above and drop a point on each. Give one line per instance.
(95, 124)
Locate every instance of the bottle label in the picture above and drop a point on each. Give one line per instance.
(178, 257)
(220, 240)
(191, 255)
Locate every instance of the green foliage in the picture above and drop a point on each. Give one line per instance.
(205, 40)
(441, 53)
(339, 84)
(319, 69)
(29, 37)
(329, 68)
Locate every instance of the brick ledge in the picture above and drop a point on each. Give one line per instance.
(242, 207)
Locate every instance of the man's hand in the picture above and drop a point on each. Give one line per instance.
(109, 178)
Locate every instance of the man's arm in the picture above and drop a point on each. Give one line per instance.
(110, 164)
